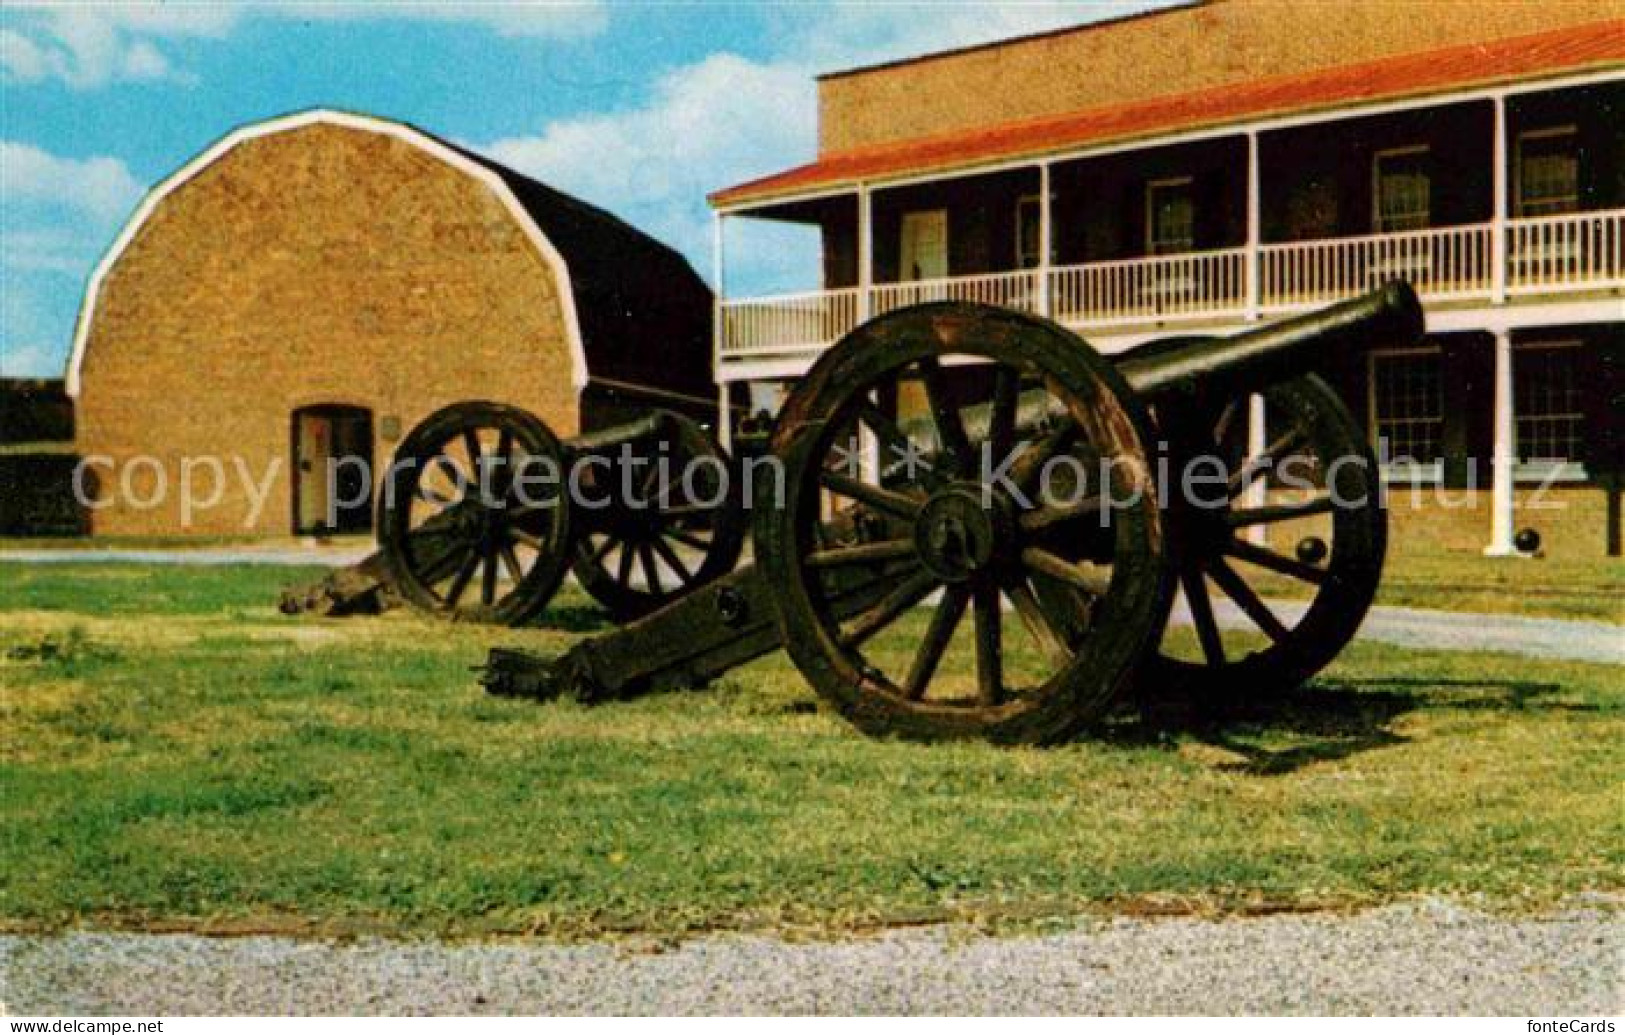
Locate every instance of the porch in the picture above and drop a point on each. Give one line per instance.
(1563, 255)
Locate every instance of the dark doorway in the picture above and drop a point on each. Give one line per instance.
(332, 462)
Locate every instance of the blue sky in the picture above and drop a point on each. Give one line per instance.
(640, 108)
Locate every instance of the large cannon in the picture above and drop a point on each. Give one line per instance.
(952, 458)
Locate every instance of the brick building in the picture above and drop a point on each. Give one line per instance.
(1197, 169)
(312, 286)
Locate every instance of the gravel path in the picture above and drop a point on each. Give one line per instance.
(1428, 957)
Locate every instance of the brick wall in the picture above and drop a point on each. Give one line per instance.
(323, 264)
(1219, 42)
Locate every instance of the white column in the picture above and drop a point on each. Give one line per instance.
(1046, 238)
(1505, 452)
(1498, 216)
(1254, 221)
(725, 423)
(1256, 444)
(866, 254)
(718, 330)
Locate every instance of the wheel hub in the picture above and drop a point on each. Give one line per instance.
(958, 536)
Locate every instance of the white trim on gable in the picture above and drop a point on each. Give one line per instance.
(365, 123)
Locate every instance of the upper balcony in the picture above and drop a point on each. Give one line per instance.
(1480, 202)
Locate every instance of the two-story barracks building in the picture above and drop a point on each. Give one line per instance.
(1204, 167)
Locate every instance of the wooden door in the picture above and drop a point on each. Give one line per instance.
(332, 457)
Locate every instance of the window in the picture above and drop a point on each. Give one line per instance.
(1029, 230)
(1548, 172)
(924, 245)
(1170, 216)
(1407, 409)
(1403, 187)
(1546, 402)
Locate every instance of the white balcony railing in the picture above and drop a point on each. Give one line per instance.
(1565, 253)
(1015, 290)
(1547, 255)
(788, 323)
(1135, 290)
(1452, 262)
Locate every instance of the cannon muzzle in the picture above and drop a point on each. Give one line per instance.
(1388, 316)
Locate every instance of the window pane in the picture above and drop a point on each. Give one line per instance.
(1549, 174)
(1546, 402)
(1404, 189)
(1408, 394)
(1173, 218)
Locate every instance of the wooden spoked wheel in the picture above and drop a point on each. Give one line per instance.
(959, 644)
(473, 521)
(679, 527)
(1273, 588)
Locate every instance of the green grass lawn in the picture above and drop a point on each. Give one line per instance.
(177, 755)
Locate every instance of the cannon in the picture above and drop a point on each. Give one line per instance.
(452, 545)
(952, 460)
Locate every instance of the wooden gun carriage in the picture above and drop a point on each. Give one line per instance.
(948, 462)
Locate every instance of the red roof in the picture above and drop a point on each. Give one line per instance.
(1548, 53)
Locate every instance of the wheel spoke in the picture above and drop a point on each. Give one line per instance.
(623, 573)
(1280, 512)
(504, 460)
(935, 642)
(452, 471)
(885, 500)
(604, 548)
(465, 575)
(884, 427)
(667, 554)
(1024, 473)
(1227, 417)
(689, 539)
(519, 535)
(950, 425)
(1033, 617)
(1094, 579)
(1001, 426)
(1201, 605)
(910, 592)
(488, 580)
(651, 570)
(864, 553)
(471, 443)
(1046, 517)
(989, 648)
(1256, 467)
(510, 560)
(1236, 588)
(1267, 558)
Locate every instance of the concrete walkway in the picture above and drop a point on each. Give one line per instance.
(293, 556)
(1554, 638)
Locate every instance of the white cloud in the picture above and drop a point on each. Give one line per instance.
(88, 47)
(56, 216)
(727, 119)
(720, 120)
(99, 186)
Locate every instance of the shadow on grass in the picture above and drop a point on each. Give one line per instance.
(1324, 721)
(573, 618)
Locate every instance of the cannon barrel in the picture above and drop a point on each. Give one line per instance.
(1388, 316)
